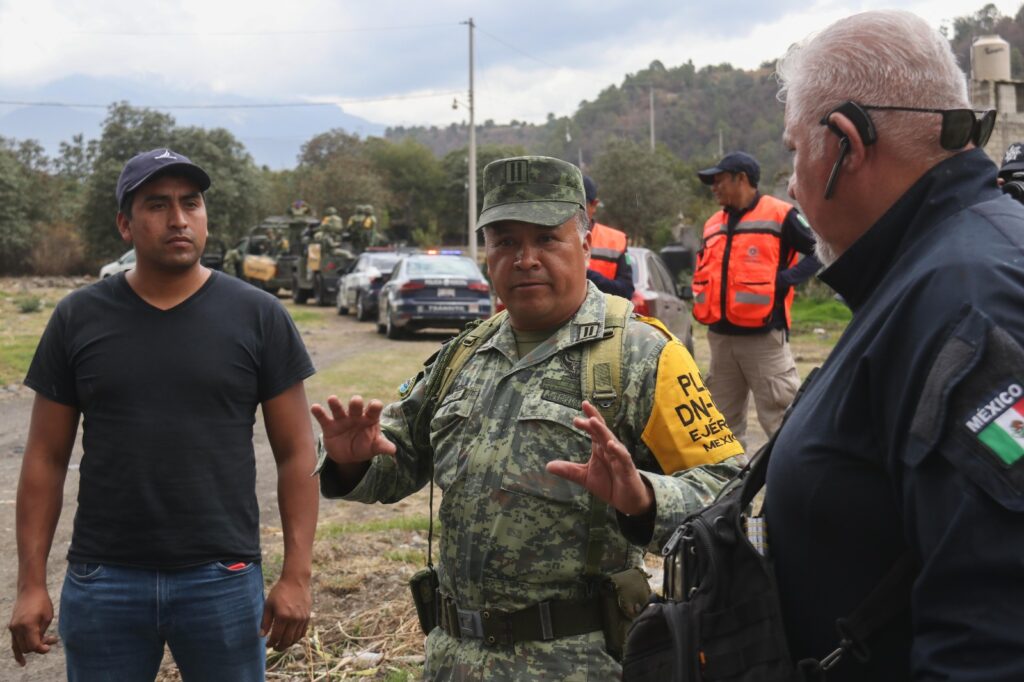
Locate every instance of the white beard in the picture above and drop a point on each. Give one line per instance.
(825, 253)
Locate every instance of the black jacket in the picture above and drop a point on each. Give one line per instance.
(885, 450)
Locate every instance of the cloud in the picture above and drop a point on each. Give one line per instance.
(532, 57)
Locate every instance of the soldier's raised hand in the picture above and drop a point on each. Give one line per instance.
(352, 435)
(610, 474)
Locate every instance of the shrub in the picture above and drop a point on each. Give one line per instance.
(29, 304)
(58, 250)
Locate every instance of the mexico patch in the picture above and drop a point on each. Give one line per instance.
(999, 424)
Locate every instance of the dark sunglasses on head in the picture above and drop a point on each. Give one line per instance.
(959, 126)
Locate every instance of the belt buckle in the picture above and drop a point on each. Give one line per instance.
(470, 624)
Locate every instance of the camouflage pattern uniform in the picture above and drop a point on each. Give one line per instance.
(331, 228)
(513, 535)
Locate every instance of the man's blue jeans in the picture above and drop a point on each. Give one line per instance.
(115, 620)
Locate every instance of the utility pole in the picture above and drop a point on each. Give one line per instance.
(720, 152)
(472, 152)
(652, 118)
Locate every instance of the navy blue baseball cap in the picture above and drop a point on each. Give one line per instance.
(733, 162)
(144, 166)
(1013, 160)
(589, 188)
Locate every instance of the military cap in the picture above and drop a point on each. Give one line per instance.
(531, 189)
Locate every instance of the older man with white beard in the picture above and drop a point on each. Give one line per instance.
(909, 442)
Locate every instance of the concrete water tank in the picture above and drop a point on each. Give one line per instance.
(990, 59)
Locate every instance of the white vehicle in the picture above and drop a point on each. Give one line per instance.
(125, 262)
(359, 286)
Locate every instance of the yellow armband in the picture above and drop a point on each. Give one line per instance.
(685, 429)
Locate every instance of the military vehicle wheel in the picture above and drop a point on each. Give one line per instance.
(320, 292)
(299, 295)
(391, 330)
(362, 314)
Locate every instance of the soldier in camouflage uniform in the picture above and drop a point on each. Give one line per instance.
(508, 436)
(331, 227)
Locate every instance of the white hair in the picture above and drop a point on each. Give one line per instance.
(885, 57)
(582, 224)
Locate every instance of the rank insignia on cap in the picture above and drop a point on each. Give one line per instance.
(999, 424)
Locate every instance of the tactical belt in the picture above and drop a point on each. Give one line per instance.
(541, 622)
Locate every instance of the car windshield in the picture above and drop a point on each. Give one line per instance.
(384, 261)
(453, 266)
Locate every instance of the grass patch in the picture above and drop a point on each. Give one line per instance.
(28, 304)
(407, 556)
(15, 356)
(828, 314)
(332, 530)
(301, 317)
(373, 374)
(272, 564)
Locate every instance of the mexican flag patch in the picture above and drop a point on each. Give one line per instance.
(999, 424)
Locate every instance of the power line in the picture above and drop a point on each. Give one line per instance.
(304, 31)
(517, 49)
(269, 105)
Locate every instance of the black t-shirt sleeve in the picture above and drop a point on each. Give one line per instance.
(284, 360)
(50, 374)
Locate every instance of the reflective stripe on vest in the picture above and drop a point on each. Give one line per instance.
(735, 275)
(606, 247)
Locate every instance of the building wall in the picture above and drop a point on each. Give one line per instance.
(1007, 98)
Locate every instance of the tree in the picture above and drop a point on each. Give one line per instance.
(16, 229)
(413, 177)
(334, 170)
(642, 192)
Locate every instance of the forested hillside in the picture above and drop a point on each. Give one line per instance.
(692, 108)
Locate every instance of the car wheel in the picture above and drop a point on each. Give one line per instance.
(392, 331)
(342, 308)
(299, 295)
(362, 314)
(320, 291)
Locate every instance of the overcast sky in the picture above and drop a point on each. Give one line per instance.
(402, 62)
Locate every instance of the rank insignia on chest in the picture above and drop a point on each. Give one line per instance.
(999, 424)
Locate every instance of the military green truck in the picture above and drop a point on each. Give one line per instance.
(265, 256)
(321, 259)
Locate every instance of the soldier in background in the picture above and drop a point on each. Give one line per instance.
(331, 227)
(523, 547)
(299, 209)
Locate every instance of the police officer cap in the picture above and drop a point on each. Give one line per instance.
(590, 188)
(144, 166)
(531, 189)
(1013, 160)
(733, 162)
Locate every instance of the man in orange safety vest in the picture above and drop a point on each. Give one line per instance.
(747, 267)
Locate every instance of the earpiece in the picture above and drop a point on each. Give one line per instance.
(858, 117)
(865, 128)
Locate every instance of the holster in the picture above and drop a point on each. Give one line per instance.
(623, 596)
(424, 587)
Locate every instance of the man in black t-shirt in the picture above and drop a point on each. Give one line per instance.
(166, 364)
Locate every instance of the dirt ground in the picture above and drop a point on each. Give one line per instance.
(364, 554)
